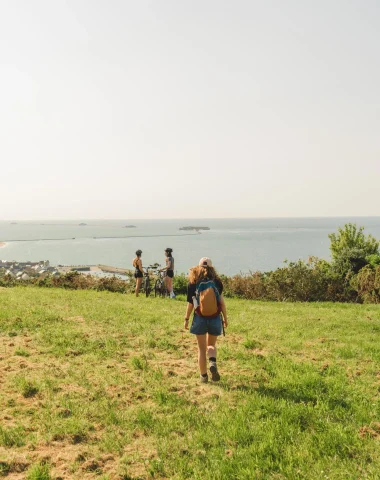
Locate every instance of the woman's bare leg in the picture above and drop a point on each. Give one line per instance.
(202, 347)
(211, 352)
(138, 285)
(211, 346)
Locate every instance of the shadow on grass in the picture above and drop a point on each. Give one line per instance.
(241, 387)
(296, 396)
(277, 393)
(282, 393)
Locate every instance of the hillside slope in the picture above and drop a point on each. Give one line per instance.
(102, 385)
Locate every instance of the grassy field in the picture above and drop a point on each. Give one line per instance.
(102, 385)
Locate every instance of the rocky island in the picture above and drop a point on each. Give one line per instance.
(195, 228)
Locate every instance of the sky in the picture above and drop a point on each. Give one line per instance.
(189, 109)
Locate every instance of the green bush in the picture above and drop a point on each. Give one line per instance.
(250, 286)
(373, 260)
(180, 282)
(314, 280)
(351, 249)
(350, 260)
(367, 284)
(350, 236)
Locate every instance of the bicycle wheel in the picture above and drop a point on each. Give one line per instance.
(164, 290)
(147, 286)
(157, 288)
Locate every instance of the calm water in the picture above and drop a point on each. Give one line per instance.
(234, 245)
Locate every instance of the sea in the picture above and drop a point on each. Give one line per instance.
(234, 245)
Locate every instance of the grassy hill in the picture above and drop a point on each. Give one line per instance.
(103, 385)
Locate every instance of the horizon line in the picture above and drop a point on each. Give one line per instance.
(184, 218)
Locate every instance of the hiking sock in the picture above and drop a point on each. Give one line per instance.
(212, 359)
(204, 375)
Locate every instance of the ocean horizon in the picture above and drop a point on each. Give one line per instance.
(236, 245)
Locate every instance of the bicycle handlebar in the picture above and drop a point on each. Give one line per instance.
(152, 268)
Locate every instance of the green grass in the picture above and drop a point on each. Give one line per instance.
(38, 472)
(102, 385)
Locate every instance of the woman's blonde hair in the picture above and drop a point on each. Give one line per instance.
(202, 272)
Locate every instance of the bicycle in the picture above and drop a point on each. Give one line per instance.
(145, 286)
(160, 286)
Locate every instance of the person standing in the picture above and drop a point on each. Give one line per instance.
(169, 268)
(204, 296)
(139, 273)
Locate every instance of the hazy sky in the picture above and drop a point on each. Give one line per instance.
(193, 108)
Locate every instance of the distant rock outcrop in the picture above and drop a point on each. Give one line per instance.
(194, 228)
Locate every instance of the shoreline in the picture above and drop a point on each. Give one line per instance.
(2, 244)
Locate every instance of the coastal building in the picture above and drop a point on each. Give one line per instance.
(26, 270)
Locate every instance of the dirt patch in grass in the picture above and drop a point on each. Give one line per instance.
(14, 469)
(137, 455)
(77, 319)
(373, 431)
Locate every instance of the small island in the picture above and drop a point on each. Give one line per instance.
(82, 225)
(195, 228)
(129, 226)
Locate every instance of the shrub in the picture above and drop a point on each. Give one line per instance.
(373, 260)
(251, 286)
(351, 249)
(350, 236)
(367, 284)
(180, 282)
(350, 260)
(111, 284)
(301, 281)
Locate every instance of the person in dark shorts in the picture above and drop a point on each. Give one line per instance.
(206, 329)
(169, 260)
(139, 274)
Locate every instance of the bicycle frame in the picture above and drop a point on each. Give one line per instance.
(160, 286)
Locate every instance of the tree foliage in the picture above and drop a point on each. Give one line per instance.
(352, 237)
(351, 249)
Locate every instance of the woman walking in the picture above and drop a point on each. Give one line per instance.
(139, 274)
(169, 260)
(204, 295)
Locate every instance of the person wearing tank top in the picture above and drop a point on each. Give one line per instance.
(169, 268)
(139, 273)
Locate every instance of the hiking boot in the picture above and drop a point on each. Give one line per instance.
(204, 379)
(215, 377)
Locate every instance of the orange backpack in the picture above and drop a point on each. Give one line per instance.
(208, 299)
